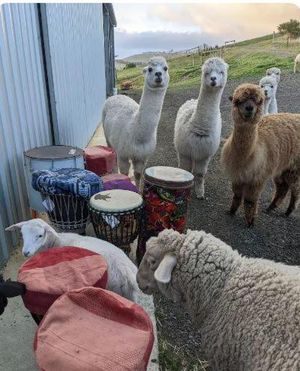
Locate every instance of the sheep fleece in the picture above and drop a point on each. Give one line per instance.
(248, 309)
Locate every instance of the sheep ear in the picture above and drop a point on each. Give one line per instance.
(231, 98)
(163, 272)
(13, 227)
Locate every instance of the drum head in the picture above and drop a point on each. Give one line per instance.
(116, 200)
(54, 152)
(167, 176)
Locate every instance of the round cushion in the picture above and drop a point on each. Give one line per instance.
(70, 181)
(51, 273)
(93, 329)
(118, 181)
(116, 200)
(100, 159)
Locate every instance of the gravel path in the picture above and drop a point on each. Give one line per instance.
(273, 237)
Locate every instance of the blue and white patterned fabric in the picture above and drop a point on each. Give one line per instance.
(78, 182)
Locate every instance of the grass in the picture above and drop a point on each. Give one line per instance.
(249, 58)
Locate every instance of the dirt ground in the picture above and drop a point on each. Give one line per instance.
(273, 237)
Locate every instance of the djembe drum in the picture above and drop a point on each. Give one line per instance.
(166, 192)
(117, 216)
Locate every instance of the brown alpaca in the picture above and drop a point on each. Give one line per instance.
(260, 148)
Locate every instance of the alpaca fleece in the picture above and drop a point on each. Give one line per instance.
(269, 86)
(260, 148)
(247, 309)
(198, 123)
(274, 72)
(131, 128)
(297, 60)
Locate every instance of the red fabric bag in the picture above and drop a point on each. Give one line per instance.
(100, 160)
(51, 273)
(92, 329)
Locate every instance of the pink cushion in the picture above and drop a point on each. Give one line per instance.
(93, 329)
(100, 160)
(51, 273)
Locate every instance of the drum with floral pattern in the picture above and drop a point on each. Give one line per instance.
(166, 193)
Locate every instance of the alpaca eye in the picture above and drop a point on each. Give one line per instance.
(40, 236)
(261, 86)
(150, 69)
(166, 68)
(272, 86)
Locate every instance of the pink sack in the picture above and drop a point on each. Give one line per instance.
(100, 160)
(51, 273)
(92, 329)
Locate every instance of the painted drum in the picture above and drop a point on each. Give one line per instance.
(117, 216)
(46, 158)
(166, 193)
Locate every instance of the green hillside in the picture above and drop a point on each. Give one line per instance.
(246, 58)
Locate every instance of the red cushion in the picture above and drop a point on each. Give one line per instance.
(93, 329)
(100, 160)
(51, 273)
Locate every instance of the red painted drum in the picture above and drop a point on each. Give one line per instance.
(100, 160)
(166, 194)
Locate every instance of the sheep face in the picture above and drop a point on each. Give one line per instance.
(247, 102)
(268, 85)
(274, 72)
(155, 270)
(156, 73)
(214, 73)
(36, 236)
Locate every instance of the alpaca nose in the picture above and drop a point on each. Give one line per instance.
(249, 108)
(213, 78)
(158, 74)
(266, 92)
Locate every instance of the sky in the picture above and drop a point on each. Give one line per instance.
(145, 27)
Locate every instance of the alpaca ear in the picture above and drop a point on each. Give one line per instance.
(231, 98)
(163, 272)
(14, 227)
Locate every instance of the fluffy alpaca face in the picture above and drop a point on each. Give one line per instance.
(274, 72)
(268, 85)
(214, 73)
(247, 102)
(156, 73)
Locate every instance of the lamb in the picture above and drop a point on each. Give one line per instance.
(39, 236)
(130, 128)
(247, 309)
(268, 84)
(198, 123)
(297, 60)
(9, 289)
(260, 148)
(276, 73)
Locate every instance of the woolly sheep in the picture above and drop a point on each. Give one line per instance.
(259, 148)
(131, 128)
(198, 123)
(39, 236)
(247, 309)
(268, 84)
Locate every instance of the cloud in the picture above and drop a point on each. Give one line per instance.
(129, 43)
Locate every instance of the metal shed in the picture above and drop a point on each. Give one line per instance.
(54, 80)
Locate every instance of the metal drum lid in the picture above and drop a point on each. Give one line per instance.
(169, 177)
(54, 152)
(116, 200)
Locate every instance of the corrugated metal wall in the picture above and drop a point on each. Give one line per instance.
(24, 120)
(76, 53)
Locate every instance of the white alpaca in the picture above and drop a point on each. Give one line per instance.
(198, 123)
(276, 73)
(268, 84)
(297, 60)
(130, 128)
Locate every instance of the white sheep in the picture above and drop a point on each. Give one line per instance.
(198, 123)
(297, 60)
(248, 309)
(276, 73)
(130, 128)
(268, 84)
(39, 236)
